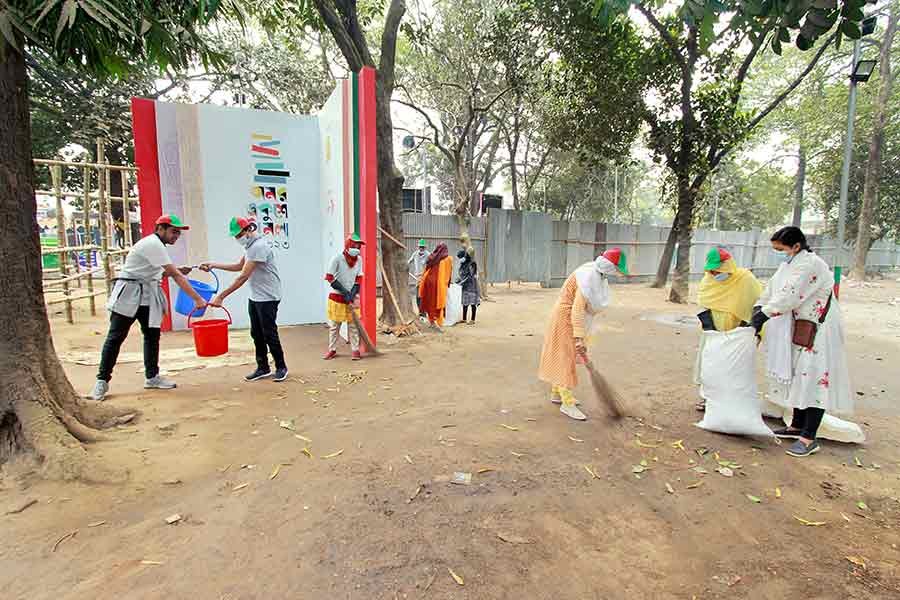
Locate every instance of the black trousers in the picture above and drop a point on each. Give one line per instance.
(119, 325)
(474, 308)
(264, 332)
(807, 420)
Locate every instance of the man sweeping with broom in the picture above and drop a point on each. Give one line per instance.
(584, 293)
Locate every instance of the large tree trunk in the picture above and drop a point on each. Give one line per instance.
(684, 224)
(799, 184)
(665, 263)
(873, 164)
(40, 414)
(390, 187)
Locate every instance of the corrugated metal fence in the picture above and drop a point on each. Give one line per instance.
(526, 246)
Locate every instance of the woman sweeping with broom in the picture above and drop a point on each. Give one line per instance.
(584, 293)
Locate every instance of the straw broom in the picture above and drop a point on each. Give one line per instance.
(604, 391)
(364, 334)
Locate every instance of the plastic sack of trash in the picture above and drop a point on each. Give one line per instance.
(728, 383)
(453, 314)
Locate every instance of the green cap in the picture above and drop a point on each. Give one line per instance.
(422, 244)
(237, 225)
(715, 257)
(354, 237)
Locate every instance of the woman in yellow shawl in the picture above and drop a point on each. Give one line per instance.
(727, 295)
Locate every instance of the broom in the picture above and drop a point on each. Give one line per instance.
(604, 391)
(364, 334)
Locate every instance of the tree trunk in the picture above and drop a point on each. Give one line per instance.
(684, 223)
(40, 414)
(662, 272)
(799, 183)
(873, 164)
(390, 187)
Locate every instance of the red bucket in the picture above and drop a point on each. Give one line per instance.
(210, 335)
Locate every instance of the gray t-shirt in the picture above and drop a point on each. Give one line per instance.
(265, 284)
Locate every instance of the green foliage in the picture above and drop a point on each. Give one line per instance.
(112, 37)
(747, 195)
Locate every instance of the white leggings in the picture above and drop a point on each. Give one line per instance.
(334, 329)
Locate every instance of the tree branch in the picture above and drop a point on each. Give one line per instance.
(666, 35)
(387, 61)
(342, 37)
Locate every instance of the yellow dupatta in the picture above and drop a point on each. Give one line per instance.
(735, 296)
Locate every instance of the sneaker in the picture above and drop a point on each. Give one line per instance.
(357, 355)
(330, 355)
(259, 374)
(99, 391)
(799, 449)
(787, 433)
(159, 383)
(280, 374)
(572, 411)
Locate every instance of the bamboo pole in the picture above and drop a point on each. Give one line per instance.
(62, 242)
(103, 209)
(70, 299)
(89, 237)
(69, 163)
(126, 210)
(74, 277)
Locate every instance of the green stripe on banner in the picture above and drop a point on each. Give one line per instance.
(355, 141)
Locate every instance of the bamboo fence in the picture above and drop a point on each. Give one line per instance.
(87, 262)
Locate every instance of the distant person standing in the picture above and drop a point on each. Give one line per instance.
(416, 264)
(468, 280)
(433, 287)
(345, 276)
(258, 267)
(138, 296)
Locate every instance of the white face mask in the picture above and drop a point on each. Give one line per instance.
(244, 241)
(353, 251)
(782, 256)
(721, 276)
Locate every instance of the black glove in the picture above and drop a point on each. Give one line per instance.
(706, 320)
(351, 295)
(758, 319)
(339, 287)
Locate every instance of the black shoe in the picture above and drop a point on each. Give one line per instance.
(786, 433)
(280, 374)
(258, 374)
(799, 449)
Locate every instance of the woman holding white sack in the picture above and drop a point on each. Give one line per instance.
(806, 363)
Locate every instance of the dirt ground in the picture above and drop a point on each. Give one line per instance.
(554, 508)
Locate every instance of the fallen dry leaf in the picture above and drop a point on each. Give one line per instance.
(303, 438)
(21, 507)
(862, 505)
(151, 562)
(859, 562)
(334, 454)
(857, 461)
(846, 518)
(510, 538)
(725, 471)
(64, 538)
(591, 471)
(638, 469)
(510, 427)
(516, 454)
(678, 445)
(172, 519)
(643, 445)
(97, 524)
(484, 470)
(307, 452)
(239, 487)
(669, 488)
(810, 523)
(778, 492)
(531, 420)
(694, 485)
(576, 440)
(275, 472)
(456, 578)
(408, 459)
(753, 498)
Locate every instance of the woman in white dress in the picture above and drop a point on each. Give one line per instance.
(805, 340)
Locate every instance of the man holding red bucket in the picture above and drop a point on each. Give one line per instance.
(258, 267)
(137, 296)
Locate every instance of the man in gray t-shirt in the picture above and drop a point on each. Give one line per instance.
(258, 267)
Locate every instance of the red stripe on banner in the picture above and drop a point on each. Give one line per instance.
(143, 126)
(368, 193)
(264, 150)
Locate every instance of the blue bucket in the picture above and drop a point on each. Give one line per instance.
(184, 304)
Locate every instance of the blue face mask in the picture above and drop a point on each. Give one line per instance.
(353, 251)
(782, 256)
(721, 276)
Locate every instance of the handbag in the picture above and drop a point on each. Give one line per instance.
(804, 334)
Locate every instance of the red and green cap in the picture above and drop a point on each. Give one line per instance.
(239, 224)
(172, 221)
(715, 257)
(617, 257)
(354, 237)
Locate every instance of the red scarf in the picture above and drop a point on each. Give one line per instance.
(439, 254)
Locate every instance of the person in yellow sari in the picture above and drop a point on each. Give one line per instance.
(727, 294)
(434, 283)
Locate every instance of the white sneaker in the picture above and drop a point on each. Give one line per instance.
(100, 389)
(555, 399)
(159, 383)
(573, 412)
